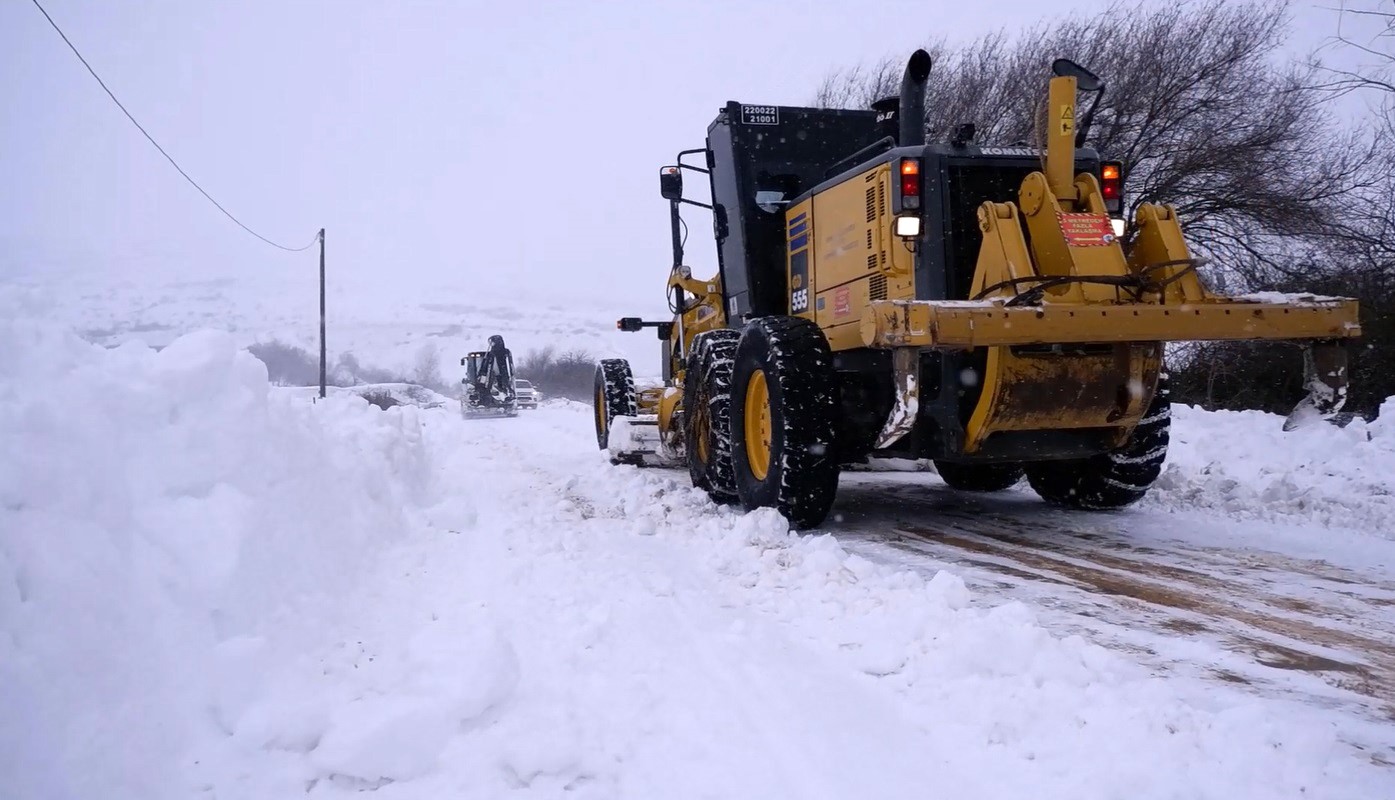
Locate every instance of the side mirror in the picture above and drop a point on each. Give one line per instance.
(770, 202)
(462, 362)
(1085, 80)
(671, 183)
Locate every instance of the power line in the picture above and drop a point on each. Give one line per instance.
(173, 163)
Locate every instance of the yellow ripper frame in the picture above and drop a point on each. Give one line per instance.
(1064, 313)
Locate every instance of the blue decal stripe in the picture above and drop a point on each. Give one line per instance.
(795, 230)
(798, 243)
(799, 218)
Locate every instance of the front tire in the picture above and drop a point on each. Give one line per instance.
(707, 413)
(783, 415)
(1115, 479)
(614, 396)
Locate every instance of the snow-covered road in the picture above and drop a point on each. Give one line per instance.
(1188, 593)
(209, 589)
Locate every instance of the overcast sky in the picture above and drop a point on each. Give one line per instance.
(429, 138)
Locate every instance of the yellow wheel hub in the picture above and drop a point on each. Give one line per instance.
(757, 425)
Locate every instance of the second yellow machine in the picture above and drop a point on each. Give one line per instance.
(881, 296)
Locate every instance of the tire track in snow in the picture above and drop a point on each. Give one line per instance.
(1103, 578)
(1367, 665)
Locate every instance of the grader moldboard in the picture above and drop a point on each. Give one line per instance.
(880, 296)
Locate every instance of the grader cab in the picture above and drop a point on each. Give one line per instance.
(878, 295)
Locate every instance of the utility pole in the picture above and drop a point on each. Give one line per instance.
(322, 312)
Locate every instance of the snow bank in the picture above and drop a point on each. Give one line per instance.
(166, 522)
(1244, 464)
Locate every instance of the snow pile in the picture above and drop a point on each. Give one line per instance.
(163, 518)
(1244, 463)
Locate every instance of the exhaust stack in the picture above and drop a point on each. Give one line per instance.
(912, 111)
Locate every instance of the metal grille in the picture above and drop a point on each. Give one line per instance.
(872, 261)
(869, 238)
(871, 204)
(876, 287)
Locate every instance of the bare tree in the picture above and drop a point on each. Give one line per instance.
(1363, 263)
(427, 371)
(861, 85)
(1365, 30)
(570, 374)
(1198, 108)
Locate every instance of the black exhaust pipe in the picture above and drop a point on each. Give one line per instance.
(912, 111)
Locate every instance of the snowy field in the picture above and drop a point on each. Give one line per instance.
(384, 323)
(210, 587)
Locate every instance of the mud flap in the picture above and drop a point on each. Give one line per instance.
(1325, 378)
(905, 362)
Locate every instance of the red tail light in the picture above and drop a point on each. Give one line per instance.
(1112, 185)
(910, 182)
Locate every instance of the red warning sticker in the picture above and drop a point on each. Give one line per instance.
(842, 301)
(1086, 230)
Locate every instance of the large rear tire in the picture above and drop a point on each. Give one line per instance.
(614, 396)
(707, 413)
(783, 415)
(979, 477)
(1115, 479)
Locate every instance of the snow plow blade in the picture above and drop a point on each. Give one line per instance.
(468, 412)
(487, 411)
(636, 440)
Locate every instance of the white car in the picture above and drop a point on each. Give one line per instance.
(526, 396)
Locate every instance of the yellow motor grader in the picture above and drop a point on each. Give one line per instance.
(878, 295)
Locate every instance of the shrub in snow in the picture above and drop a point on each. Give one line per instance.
(380, 399)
